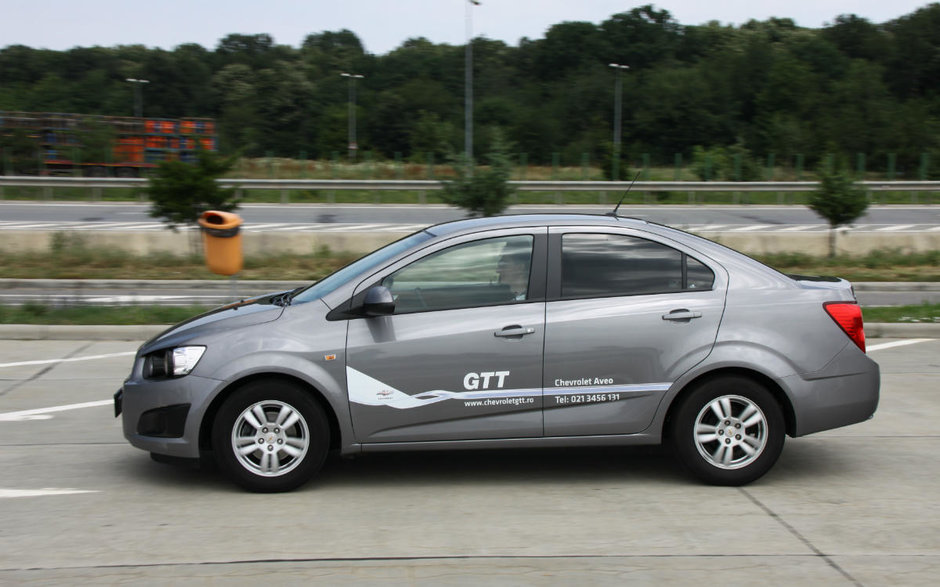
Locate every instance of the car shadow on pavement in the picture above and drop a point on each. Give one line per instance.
(493, 467)
(802, 459)
(498, 467)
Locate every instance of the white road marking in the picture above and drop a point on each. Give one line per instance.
(895, 228)
(5, 493)
(43, 413)
(72, 360)
(897, 343)
(752, 228)
(254, 227)
(798, 227)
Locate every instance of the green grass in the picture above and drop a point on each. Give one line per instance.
(277, 168)
(41, 314)
(882, 265)
(923, 313)
(70, 258)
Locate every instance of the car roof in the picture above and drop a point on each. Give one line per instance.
(522, 220)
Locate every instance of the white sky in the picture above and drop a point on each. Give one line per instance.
(382, 25)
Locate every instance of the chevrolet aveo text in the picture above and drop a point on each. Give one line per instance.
(513, 331)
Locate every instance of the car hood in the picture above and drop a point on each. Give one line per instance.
(248, 312)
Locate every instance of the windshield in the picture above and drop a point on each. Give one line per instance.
(338, 278)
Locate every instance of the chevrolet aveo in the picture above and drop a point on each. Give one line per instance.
(513, 331)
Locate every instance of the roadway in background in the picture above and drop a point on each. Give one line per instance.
(126, 216)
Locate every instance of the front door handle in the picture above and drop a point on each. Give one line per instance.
(513, 331)
(683, 314)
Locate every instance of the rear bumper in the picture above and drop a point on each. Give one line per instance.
(846, 392)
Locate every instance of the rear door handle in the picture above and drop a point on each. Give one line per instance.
(683, 314)
(513, 331)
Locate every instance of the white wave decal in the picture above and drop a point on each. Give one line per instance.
(368, 391)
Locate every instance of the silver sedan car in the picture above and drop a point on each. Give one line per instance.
(512, 331)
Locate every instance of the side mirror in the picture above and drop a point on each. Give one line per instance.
(378, 302)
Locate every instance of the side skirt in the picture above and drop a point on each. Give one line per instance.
(643, 438)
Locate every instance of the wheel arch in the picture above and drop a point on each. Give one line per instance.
(208, 418)
(778, 393)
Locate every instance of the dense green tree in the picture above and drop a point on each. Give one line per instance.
(483, 191)
(857, 38)
(765, 86)
(179, 193)
(914, 62)
(641, 37)
(839, 200)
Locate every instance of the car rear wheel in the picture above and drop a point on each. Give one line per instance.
(270, 436)
(728, 431)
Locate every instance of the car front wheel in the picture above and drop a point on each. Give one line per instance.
(270, 436)
(728, 431)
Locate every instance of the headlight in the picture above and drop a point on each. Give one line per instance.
(174, 362)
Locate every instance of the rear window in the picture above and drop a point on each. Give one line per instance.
(600, 265)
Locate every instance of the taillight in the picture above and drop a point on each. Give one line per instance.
(849, 319)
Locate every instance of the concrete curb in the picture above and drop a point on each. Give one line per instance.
(146, 332)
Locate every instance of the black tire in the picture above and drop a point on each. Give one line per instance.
(737, 448)
(291, 442)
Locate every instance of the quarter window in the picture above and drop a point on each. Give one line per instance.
(598, 265)
(479, 273)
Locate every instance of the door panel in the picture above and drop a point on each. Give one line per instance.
(639, 314)
(461, 358)
(447, 375)
(608, 361)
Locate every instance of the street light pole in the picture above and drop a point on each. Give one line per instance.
(138, 95)
(618, 113)
(352, 113)
(468, 91)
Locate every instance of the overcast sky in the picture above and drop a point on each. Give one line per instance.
(382, 25)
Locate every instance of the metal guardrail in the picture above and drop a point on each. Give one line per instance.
(432, 185)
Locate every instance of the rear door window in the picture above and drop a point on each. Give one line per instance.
(601, 265)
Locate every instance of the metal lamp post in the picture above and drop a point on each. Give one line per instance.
(468, 97)
(352, 113)
(618, 113)
(138, 95)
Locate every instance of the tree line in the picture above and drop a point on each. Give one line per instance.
(736, 92)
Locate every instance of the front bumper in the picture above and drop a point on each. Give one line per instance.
(165, 417)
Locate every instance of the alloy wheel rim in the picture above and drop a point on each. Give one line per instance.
(730, 432)
(270, 438)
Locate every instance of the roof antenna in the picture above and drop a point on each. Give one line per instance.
(635, 177)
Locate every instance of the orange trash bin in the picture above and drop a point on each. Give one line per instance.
(222, 239)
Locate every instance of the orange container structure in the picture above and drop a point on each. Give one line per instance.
(137, 144)
(221, 236)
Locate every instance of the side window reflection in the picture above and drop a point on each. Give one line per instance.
(479, 273)
(598, 265)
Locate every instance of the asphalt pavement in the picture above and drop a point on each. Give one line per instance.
(425, 214)
(852, 506)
